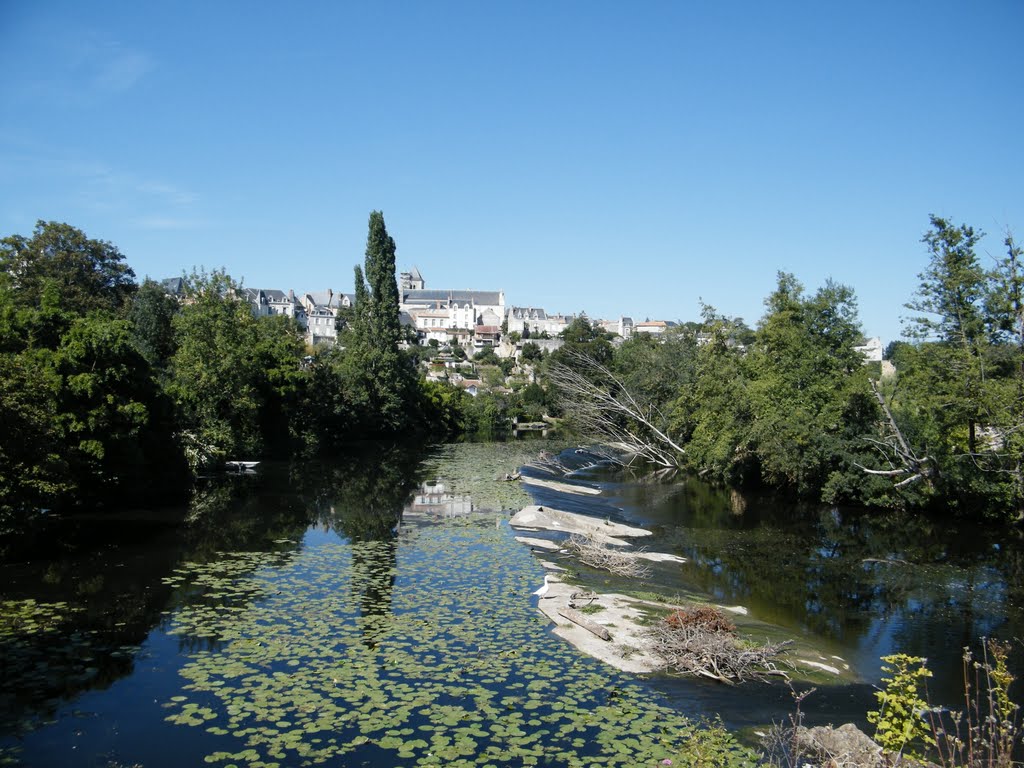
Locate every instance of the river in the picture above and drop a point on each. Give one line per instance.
(375, 610)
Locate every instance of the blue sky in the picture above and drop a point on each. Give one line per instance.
(612, 157)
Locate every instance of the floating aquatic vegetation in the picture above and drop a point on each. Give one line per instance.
(44, 657)
(420, 651)
(475, 469)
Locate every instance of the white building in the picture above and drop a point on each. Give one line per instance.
(871, 349)
(534, 321)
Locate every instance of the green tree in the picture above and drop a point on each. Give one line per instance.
(383, 380)
(531, 353)
(807, 382)
(656, 370)
(586, 338)
(950, 328)
(957, 397)
(110, 412)
(278, 350)
(950, 295)
(33, 462)
(713, 416)
(87, 274)
(215, 379)
(152, 314)
(326, 416)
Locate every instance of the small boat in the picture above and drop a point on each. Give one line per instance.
(241, 466)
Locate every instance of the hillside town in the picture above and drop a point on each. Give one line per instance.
(454, 319)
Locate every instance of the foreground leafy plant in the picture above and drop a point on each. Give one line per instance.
(900, 726)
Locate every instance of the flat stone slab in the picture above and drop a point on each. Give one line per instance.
(619, 615)
(554, 485)
(538, 543)
(547, 519)
(660, 557)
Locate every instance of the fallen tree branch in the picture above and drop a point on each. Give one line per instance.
(903, 461)
(597, 555)
(591, 626)
(710, 649)
(609, 412)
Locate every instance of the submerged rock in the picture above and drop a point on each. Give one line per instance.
(545, 518)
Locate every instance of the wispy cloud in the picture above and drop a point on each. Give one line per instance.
(49, 178)
(171, 194)
(75, 67)
(165, 223)
(118, 69)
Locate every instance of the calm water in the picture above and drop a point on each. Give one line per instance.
(368, 612)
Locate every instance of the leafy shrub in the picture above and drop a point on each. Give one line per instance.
(900, 726)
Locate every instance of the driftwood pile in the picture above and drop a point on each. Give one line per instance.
(608, 558)
(702, 641)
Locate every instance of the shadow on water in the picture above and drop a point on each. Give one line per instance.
(79, 603)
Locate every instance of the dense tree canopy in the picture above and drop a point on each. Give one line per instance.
(108, 387)
(793, 406)
(86, 274)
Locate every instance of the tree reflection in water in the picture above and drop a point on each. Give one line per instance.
(871, 583)
(362, 499)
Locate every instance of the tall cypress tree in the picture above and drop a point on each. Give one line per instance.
(385, 380)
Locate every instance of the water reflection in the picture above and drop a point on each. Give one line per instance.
(434, 499)
(863, 585)
(869, 584)
(75, 614)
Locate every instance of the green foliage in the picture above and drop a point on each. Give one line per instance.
(226, 370)
(487, 414)
(531, 353)
(791, 409)
(959, 396)
(949, 298)
(86, 274)
(583, 337)
(33, 463)
(656, 370)
(383, 380)
(900, 725)
(486, 356)
(152, 314)
(713, 415)
(105, 399)
(444, 409)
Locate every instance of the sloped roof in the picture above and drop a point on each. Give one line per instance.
(272, 294)
(173, 285)
(426, 295)
(328, 298)
(529, 313)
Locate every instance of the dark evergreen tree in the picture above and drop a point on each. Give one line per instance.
(381, 379)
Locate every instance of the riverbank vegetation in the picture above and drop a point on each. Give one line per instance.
(114, 391)
(793, 406)
(909, 728)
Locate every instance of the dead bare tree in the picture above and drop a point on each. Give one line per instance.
(610, 413)
(905, 466)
